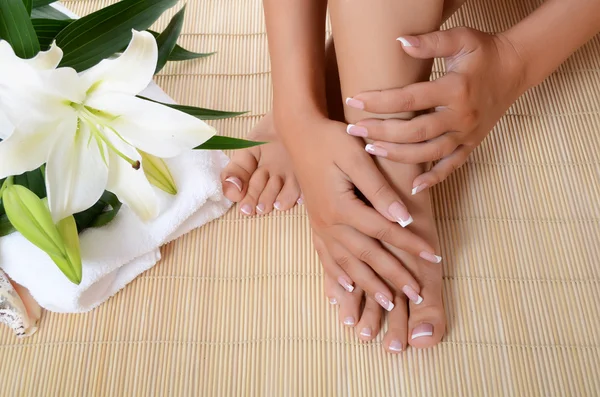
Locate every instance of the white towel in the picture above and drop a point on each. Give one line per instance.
(116, 254)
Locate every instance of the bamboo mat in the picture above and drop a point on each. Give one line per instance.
(237, 308)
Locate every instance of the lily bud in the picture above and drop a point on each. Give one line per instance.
(158, 173)
(31, 217)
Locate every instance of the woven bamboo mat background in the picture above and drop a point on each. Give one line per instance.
(237, 308)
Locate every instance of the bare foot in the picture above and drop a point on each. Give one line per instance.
(261, 178)
(419, 325)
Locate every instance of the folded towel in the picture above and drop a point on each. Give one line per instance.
(117, 253)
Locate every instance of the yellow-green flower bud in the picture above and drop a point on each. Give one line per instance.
(158, 173)
(31, 217)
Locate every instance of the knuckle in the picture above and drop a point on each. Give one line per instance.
(383, 233)
(407, 102)
(365, 255)
(471, 117)
(343, 261)
(421, 133)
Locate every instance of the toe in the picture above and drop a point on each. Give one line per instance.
(395, 340)
(332, 290)
(350, 303)
(236, 175)
(370, 321)
(289, 195)
(427, 322)
(268, 196)
(256, 185)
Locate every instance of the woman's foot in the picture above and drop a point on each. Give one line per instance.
(261, 178)
(421, 325)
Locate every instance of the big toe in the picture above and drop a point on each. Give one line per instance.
(427, 321)
(237, 173)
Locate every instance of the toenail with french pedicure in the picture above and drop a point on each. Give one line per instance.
(345, 284)
(419, 188)
(400, 214)
(277, 205)
(422, 330)
(384, 301)
(355, 103)
(396, 346)
(366, 332)
(300, 201)
(260, 208)
(355, 130)
(333, 301)
(428, 256)
(412, 295)
(246, 209)
(349, 321)
(376, 150)
(235, 181)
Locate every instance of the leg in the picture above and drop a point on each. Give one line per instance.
(369, 58)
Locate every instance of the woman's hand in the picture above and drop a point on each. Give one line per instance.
(329, 165)
(484, 76)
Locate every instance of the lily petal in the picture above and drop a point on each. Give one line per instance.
(64, 84)
(131, 72)
(46, 60)
(76, 174)
(28, 147)
(6, 127)
(152, 127)
(130, 185)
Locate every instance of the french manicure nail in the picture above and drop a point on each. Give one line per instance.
(428, 256)
(277, 205)
(235, 181)
(366, 332)
(409, 41)
(246, 209)
(349, 321)
(419, 188)
(396, 346)
(346, 284)
(260, 208)
(422, 330)
(355, 103)
(400, 214)
(355, 130)
(376, 150)
(412, 295)
(384, 301)
(333, 301)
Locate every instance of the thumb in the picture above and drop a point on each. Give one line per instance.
(439, 44)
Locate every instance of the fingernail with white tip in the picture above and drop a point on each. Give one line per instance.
(428, 256)
(235, 181)
(384, 301)
(400, 214)
(355, 103)
(404, 42)
(346, 284)
(412, 295)
(418, 189)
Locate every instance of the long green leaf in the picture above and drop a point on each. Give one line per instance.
(113, 205)
(34, 181)
(16, 28)
(181, 54)
(48, 12)
(99, 35)
(48, 29)
(28, 5)
(167, 40)
(218, 142)
(41, 3)
(6, 227)
(201, 113)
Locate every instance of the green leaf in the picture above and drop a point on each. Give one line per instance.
(6, 227)
(28, 5)
(48, 29)
(201, 113)
(16, 28)
(218, 142)
(167, 40)
(48, 12)
(181, 54)
(34, 181)
(113, 205)
(99, 35)
(41, 3)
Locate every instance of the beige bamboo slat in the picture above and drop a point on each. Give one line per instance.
(237, 309)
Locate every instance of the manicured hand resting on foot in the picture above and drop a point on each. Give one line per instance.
(485, 74)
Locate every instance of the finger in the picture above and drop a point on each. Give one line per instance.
(440, 44)
(419, 129)
(441, 170)
(372, 184)
(412, 98)
(384, 264)
(330, 267)
(415, 153)
(367, 221)
(358, 270)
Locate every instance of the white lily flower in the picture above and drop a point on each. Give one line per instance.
(88, 127)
